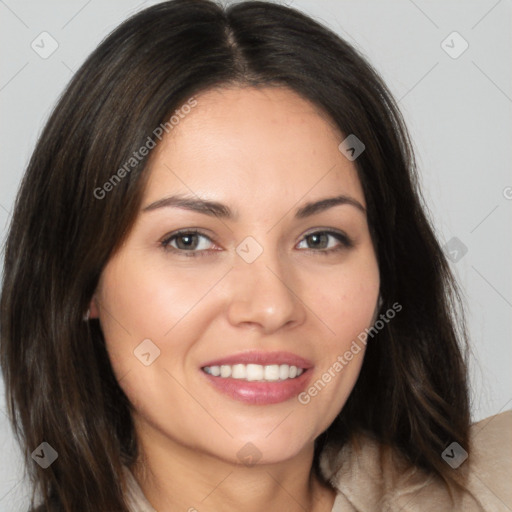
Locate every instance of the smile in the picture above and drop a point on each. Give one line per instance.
(255, 372)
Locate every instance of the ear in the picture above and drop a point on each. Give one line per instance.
(93, 308)
(377, 309)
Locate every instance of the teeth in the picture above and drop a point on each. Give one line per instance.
(255, 372)
(225, 371)
(284, 371)
(238, 371)
(272, 372)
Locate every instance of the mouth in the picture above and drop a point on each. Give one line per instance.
(259, 378)
(255, 372)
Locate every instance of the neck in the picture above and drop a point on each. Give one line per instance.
(176, 477)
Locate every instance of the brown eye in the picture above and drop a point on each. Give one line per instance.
(189, 243)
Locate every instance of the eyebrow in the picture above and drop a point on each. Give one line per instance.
(216, 209)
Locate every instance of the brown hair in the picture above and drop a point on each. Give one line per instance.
(60, 387)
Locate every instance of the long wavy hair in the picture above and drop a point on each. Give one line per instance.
(412, 390)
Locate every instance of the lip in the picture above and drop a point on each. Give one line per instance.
(263, 358)
(261, 393)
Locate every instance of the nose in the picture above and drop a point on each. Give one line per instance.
(264, 294)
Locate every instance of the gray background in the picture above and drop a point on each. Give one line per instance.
(458, 111)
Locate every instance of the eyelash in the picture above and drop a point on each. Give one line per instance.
(346, 242)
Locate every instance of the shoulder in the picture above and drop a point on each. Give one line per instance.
(372, 477)
(490, 461)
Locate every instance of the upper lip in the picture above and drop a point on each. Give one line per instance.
(262, 358)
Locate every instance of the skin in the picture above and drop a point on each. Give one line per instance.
(264, 153)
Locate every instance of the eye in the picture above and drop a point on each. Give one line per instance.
(327, 241)
(192, 243)
(189, 243)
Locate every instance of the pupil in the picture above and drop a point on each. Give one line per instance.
(317, 238)
(188, 240)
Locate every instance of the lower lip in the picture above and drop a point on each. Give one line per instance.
(260, 393)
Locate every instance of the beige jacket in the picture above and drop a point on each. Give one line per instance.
(371, 479)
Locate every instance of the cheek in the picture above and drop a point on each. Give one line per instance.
(347, 299)
(346, 304)
(140, 302)
(147, 300)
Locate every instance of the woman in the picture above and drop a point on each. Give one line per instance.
(221, 288)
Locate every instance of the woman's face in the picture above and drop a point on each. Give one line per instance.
(273, 285)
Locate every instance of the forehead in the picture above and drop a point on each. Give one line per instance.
(267, 144)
